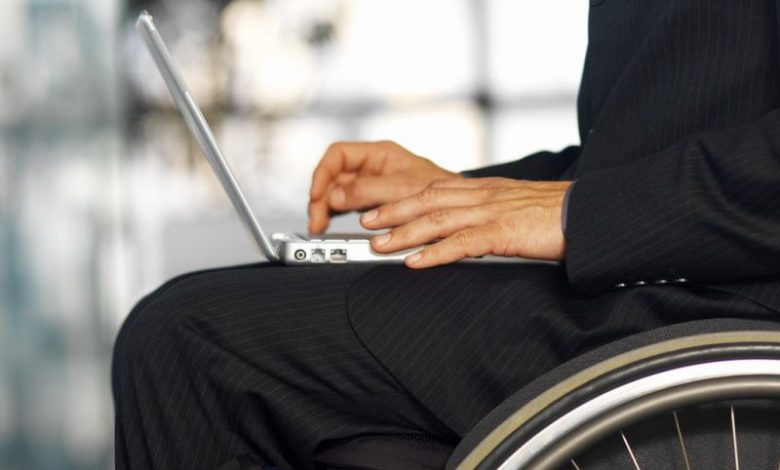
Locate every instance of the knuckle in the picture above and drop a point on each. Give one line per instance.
(438, 183)
(426, 195)
(462, 239)
(439, 218)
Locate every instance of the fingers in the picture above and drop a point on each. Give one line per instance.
(338, 158)
(433, 226)
(319, 216)
(508, 218)
(365, 191)
(346, 178)
(468, 243)
(353, 192)
(319, 210)
(346, 158)
(427, 201)
(341, 165)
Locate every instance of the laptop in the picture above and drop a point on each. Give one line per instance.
(287, 248)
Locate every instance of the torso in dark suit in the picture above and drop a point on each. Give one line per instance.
(678, 178)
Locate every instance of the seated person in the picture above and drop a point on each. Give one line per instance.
(674, 215)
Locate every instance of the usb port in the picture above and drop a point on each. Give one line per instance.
(338, 256)
(317, 255)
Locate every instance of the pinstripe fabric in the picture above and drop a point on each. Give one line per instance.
(679, 170)
(679, 177)
(246, 362)
(463, 338)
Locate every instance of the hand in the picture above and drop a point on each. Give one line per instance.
(353, 176)
(474, 217)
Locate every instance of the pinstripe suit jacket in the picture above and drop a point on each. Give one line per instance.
(678, 173)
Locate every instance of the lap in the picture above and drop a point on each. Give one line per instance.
(258, 360)
(271, 316)
(459, 338)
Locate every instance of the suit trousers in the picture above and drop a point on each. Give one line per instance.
(269, 365)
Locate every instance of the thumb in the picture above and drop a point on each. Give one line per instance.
(365, 191)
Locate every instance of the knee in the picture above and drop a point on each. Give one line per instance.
(149, 331)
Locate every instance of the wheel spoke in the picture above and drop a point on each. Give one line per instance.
(734, 438)
(630, 452)
(577, 467)
(682, 442)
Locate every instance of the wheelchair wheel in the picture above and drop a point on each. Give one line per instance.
(699, 402)
(723, 435)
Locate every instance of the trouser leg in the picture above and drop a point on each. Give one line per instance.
(462, 338)
(261, 362)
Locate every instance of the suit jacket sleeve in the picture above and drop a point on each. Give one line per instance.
(538, 167)
(706, 209)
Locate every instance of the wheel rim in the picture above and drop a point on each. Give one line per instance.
(667, 390)
(493, 448)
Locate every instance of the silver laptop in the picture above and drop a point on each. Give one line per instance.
(288, 248)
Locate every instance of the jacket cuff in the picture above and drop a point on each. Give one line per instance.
(565, 209)
(613, 236)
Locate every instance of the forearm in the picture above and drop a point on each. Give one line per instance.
(706, 209)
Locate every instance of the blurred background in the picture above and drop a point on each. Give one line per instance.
(103, 195)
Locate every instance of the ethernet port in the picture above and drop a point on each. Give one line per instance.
(338, 256)
(318, 255)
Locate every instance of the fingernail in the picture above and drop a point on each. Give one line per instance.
(380, 240)
(414, 259)
(337, 197)
(369, 216)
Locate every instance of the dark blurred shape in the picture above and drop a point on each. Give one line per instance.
(321, 33)
(484, 99)
(138, 5)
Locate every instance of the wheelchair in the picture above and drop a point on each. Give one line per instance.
(696, 395)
